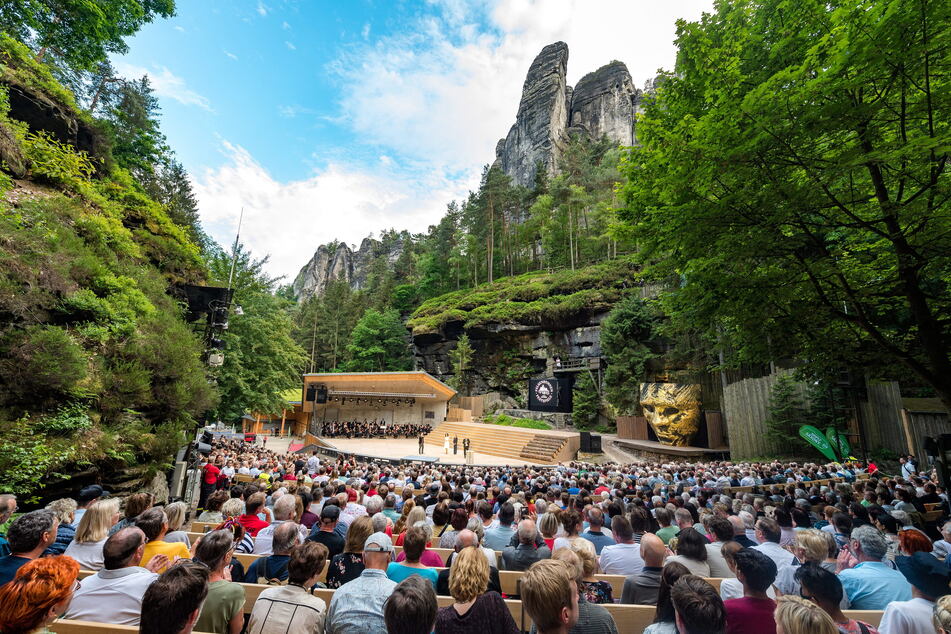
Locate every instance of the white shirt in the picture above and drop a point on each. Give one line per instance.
(287, 610)
(265, 537)
(777, 553)
(622, 559)
(77, 515)
(731, 588)
(111, 596)
(88, 554)
(908, 617)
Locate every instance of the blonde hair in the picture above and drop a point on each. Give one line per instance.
(232, 507)
(798, 616)
(589, 564)
(814, 545)
(942, 613)
(573, 561)
(357, 534)
(176, 515)
(546, 588)
(63, 508)
(468, 575)
(548, 524)
(97, 520)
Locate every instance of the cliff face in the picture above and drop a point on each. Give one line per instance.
(603, 103)
(339, 262)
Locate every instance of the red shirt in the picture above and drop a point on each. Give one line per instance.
(211, 473)
(750, 616)
(252, 524)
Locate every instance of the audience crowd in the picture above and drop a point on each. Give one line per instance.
(793, 545)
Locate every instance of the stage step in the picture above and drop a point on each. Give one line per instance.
(505, 442)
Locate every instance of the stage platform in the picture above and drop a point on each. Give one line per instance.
(407, 449)
(652, 450)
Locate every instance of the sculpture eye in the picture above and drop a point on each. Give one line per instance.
(669, 411)
(648, 408)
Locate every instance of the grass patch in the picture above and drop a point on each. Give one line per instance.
(511, 421)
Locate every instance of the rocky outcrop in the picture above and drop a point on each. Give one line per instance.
(539, 130)
(337, 261)
(603, 104)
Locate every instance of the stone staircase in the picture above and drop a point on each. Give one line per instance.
(529, 445)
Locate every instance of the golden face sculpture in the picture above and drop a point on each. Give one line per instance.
(673, 411)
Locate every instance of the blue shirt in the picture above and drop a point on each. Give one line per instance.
(272, 567)
(600, 540)
(871, 585)
(397, 572)
(9, 566)
(498, 537)
(357, 606)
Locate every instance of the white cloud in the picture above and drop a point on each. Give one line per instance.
(365, 32)
(166, 84)
(449, 89)
(178, 28)
(262, 8)
(290, 220)
(294, 110)
(285, 25)
(231, 55)
(290, 45)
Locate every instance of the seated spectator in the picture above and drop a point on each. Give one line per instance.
(753, 613)
(231, 510)
(86, 497)
(430, 557)
(911, 542)
(154, 524)
(593, 589)
(135, 505)
(416, 515)
(786, 530)
(250, 520)
(465, 539)
(623, 557)
(292, 608)
(666, 532)
(665, 619)
(348, 565)
(929, 579)
(171, 604)
(411, 609)
(475, 525)
(723, 532)
(8, 506)
(413, 547)
(357, 607)
(212, 513)
(643, 588)
(942, 615)
(325, 532)
(499, 536)
(29, 535)
(871, 584)
(811, 546)
(572, 523)
(731, 588)
(175, 512)
(285, 510)
(595, 534)
(942, 547)
(548, 526)
(739, 532)
(768, 534)
(307, 517)
(273, 568)
(38, 594)
(64, 508)
(697, 607)
(526, 553)
(457, 522)
(114, 594)
(474, 608)
(223, 609)
(691, 552)
(823, 587)
(795, 615)
(86, 547)
(550, 597)
(591, 616)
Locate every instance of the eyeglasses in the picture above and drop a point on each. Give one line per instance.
(76, 585)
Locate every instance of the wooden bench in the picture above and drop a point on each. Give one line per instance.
(70, 626)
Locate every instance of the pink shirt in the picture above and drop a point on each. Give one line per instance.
(428, 558)
(750, 616)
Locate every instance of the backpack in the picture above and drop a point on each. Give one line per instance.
(266, 578)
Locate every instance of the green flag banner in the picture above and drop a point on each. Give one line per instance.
(815, 438)
(844, 443)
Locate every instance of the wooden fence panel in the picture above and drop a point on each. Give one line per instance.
(745, 408)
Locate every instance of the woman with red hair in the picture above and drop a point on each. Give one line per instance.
(911, 541)
(39, 593)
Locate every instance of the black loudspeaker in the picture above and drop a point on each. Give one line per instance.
(207, 437)
(595, 446)
(586, 441)
(321, 393)
(311, 393)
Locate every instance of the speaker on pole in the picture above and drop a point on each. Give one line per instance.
(321, 393)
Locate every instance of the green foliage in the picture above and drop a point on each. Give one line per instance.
(42, 363)
(27, 458)
(793, 176)
(787, 413)
(58, 163)
(586, 402)
(65, 420)
(378, 343)
(626, 335)
(322, 326)
(18, 66)
(461, 359)
(510, 421)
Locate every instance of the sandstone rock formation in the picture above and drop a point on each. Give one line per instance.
(337, 261)
(604, 103)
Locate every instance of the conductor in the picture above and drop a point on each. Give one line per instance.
(455, 445)
(422, 444)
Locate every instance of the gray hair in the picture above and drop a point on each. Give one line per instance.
(379, 523)
(748, 520)
(176, 515)
(527, 532)
(26, 531)
(232, 507)
(373, 504)
(63, 508)
(540, 507)
(475, 525)
(286, 536)
(285, 507)
(871, 540)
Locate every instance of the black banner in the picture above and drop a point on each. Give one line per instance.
(549, 395)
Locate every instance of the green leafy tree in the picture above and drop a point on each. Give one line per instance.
(625, 337)
(586, 402)
(79, 33)
(793, 177)
(787, 414)
(378, 343)
(322, 326)
(461, 359)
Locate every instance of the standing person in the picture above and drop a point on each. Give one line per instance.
(223, 609)
(455, 445)
(465, 447)
(209, 481)
(357, 607)
(752, 614)
(172, 603)
(422, 444)
(445, 444)
(550, 597)
(38, 594)
(929, 580)
(29, 535)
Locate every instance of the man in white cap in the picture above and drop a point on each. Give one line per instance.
(357, 606)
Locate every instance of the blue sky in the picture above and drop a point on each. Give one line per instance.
(332, 120)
